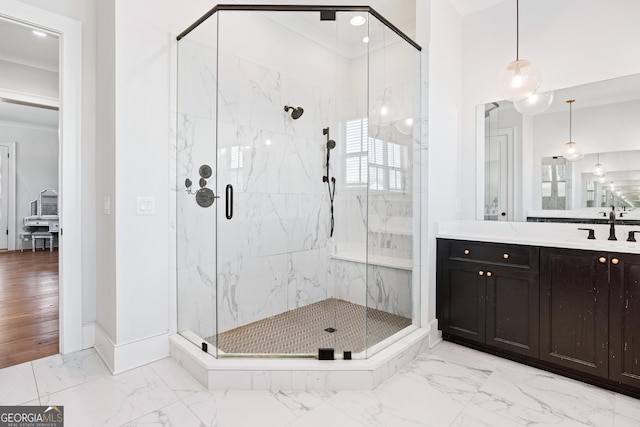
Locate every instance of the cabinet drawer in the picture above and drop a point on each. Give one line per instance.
(495, 253)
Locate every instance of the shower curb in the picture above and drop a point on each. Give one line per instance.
(297, 374)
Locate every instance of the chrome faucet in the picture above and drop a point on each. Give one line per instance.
(612, 224)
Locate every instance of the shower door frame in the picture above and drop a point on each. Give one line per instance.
(219, 185)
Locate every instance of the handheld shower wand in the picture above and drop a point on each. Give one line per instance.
(331, 144)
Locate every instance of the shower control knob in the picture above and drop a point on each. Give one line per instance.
(205, 197)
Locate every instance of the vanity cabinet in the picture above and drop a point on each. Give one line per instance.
(574, 309)
(488, 293)
(590, 313)
(571, 311)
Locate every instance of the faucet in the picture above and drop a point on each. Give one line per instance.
(612, 224)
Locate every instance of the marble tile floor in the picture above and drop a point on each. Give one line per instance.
(448, 385)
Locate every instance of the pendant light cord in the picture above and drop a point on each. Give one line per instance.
(517, 30)
(570, 120)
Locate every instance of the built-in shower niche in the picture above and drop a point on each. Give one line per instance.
(272, 279)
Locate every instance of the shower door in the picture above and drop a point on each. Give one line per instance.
(275, 293)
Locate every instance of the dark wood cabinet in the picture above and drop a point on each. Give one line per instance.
(462, 297)
(488, 293)
(574, 309)
(624, 319)
(590, 312)
(513, 310)
(575, 312)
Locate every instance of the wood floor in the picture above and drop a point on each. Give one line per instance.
(28, 306)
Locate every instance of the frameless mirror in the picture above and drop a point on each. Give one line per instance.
(525, 175)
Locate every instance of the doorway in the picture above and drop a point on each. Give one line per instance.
(70, 178)
(29, 307)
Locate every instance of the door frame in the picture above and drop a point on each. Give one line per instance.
(69, 172)
(11, 186)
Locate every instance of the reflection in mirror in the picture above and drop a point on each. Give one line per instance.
(604, 123)
(498, 160)
(555, 182)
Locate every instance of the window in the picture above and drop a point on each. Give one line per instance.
(385, 161)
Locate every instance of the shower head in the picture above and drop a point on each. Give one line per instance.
(331, 144)
(296, 113)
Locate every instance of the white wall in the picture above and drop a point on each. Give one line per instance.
(572, 42)
(447, 159)
(105, 182)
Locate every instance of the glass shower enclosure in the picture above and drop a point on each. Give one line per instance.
(297, 188)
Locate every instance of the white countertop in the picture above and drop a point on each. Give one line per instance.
(586, 213)
(557, 235)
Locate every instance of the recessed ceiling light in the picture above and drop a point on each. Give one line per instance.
(357, 20)
(39, 33)
(365, 40)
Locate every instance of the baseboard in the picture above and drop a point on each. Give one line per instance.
(105, 347)
(137, 353)
(88, 335)
(435, 336)
(123, 357)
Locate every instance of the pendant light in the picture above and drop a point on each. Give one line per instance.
(570, 150)
(597, 169)
(537, 103)
(519, 79)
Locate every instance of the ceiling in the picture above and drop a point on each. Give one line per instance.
(20, 45)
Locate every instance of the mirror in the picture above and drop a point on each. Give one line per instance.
(525, 175)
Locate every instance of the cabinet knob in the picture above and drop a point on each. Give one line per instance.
(466, 251)
(489, 274)
(505, 256)
(615, 261)
(602, 260)
(481, 273)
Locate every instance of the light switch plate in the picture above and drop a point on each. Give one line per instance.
(146, 205)
(106, 205)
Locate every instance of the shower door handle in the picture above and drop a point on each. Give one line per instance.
(229, 201)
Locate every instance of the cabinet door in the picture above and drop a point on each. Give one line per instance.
(574, 310)
(513, 313)
(461, 300)
(624, 327)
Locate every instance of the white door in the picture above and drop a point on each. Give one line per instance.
(4, 197)
(499, 176)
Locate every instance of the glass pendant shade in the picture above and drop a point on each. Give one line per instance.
(597, 170)
(534, 104)
(571, 151)
(519, 80)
